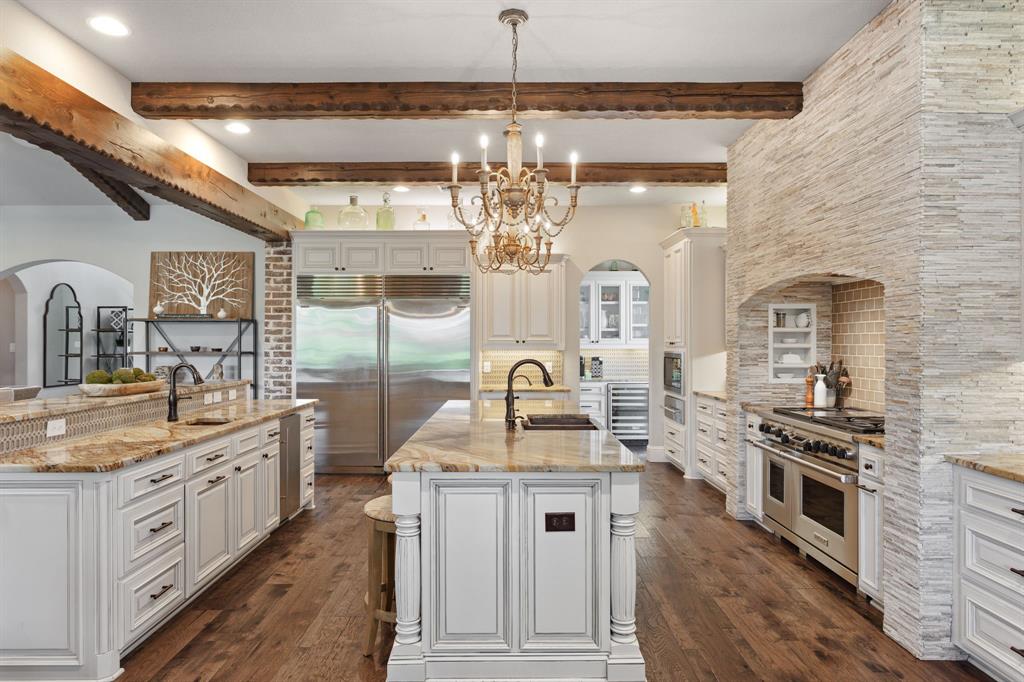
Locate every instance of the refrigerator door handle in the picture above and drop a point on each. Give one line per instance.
(382, 374)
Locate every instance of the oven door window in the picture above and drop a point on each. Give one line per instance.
(776, 481)
(823, 504)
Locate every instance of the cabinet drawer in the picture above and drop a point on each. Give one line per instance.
(592, 389)
(308, 419)
(983, 492)
(721, 438)
(150, 594)
(674, 453)
(870, 462)
(720, 411)
(720, 472)
(706, 459)
(202, 457)
(992, 549)
(270, 433)
(160, 474)
(307, 481)
(674, 433)
(308, 439)
(991, 629)
(246, 441)
(704, 407)
(150, 527)
(705, 431)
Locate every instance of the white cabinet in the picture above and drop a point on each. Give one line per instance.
(317, 256)
(449, 258)
(270, 485)
(988, 572)
(362, 257)
(400, 252)
(755, 471)
(593, 401)
(208, 526)
(672, 313)
(423, 256)
(869, 539)
(149, 595)
(614, 310)
(522, 309)
(247, 497)
(325, 253)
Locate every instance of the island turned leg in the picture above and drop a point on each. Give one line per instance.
(626, 663)
(406, 662)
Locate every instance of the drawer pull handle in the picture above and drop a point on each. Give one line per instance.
(1018, 571)
(217, 480)
(1015, 510)
(272, 434)
(1017, 650)
(163, 525)
(215, 457)
(162, 592)
(159, 479)
(310, 420)
(867, 489)
(702, 430)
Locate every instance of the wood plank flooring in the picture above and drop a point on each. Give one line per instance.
(716, 600)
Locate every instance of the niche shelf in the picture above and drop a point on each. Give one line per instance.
(787, 338)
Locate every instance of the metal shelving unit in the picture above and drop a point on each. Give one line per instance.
(105, 358)
(243, 328)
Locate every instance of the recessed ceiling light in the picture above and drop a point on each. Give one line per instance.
(237, 127)
(109, 26)
(637, 189)
(399, 188)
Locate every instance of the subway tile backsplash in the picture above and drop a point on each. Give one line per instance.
(620, 364)
(858, 337)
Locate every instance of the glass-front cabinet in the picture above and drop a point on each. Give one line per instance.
(614, 309)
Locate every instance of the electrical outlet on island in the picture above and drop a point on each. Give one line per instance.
(56, 427)
(208, 399)
(232, 394)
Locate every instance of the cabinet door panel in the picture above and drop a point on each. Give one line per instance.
(449, 258)
(407, 257)
(869, 552)
(271, 486)
(500, 309)
(208, 526)
(317, 257)
(362, 257)
(541, 308)
(471, 572)
(248, 520)
(560, 578)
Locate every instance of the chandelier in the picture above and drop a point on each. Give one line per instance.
(512, 221)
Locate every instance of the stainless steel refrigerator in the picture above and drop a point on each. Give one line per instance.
(382, 353)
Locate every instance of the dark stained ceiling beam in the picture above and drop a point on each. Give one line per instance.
(439, 173)
(40, 108)
(123, 196)
(755, 100)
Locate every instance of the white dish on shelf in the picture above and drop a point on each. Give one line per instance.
(789, 339)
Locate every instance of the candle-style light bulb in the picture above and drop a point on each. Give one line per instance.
(483, 152)
(455, 168)
(573, 158)
(539, 141)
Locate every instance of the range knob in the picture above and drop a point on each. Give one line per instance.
(808, 446)
(816, 445)
(778, 431)
(784, 438)
(763, 428)
(833, 450)
(843, 453)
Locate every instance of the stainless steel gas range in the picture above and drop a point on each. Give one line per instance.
(810, 480)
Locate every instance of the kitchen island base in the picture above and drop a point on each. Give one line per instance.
(515, 576)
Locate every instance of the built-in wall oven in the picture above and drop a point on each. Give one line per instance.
(674, 374)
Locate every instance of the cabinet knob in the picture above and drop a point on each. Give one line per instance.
(431, 267)
(424, 267)
(238, 468)
(337, 268)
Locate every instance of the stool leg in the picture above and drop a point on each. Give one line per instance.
(389, 567)
(374, 551)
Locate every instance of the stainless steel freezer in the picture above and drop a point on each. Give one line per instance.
(382, 354)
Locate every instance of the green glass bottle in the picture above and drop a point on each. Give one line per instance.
(314, 219)
(386, 214)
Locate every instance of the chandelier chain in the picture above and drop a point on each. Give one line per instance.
(515, 67)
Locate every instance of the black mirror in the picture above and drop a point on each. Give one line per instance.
(62, 338)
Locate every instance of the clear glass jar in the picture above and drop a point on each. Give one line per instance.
(353, 216)
(422, 223)
(386, 214)
(314, 219)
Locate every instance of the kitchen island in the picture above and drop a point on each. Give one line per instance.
(515, 555)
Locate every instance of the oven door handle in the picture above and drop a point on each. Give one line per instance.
(672, 414)
(842, 478)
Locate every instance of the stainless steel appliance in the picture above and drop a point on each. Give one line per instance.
(810, 480)
(382, 353)
(674, 374)
(674, 408)
(628, 410)
(289, 463)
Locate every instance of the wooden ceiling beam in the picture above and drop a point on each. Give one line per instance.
(123, 196)
(439, 173)
(38, 107)
(754, 100)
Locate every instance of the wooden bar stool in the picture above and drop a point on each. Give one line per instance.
(380, 583)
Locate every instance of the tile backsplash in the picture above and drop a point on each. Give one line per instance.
(858, 337)
(620, 364)
(501, 362)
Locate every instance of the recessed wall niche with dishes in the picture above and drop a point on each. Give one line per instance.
(792, 341)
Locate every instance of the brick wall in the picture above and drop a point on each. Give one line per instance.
(858, 339)
(277, 321)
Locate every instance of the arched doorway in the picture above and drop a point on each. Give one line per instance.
(614, 361)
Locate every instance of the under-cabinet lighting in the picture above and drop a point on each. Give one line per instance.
(237, 127)
(109, 26)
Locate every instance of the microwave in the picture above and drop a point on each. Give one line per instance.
(673, 372)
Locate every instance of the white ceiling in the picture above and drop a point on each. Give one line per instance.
(30, 176)
(461, 40)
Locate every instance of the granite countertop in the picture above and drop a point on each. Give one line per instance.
(526, 388)
(1009, 465)
(21, 410)
(714, 395)
(119, 448)
(760, 409)
(875, 440)
(469, 435)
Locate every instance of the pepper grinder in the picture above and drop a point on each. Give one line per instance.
(809, 394)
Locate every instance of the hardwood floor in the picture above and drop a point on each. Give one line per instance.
(716, 600)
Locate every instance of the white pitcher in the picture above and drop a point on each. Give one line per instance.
(820, 391)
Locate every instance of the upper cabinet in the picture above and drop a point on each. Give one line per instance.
(394, 253)
(522, 309)
(673, 312)
(614, 310)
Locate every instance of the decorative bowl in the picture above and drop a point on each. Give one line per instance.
(116, 390)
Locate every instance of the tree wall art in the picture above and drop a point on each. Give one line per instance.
(201, 283)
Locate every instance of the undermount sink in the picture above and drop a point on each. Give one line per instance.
(207, 421)
(558, 422)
